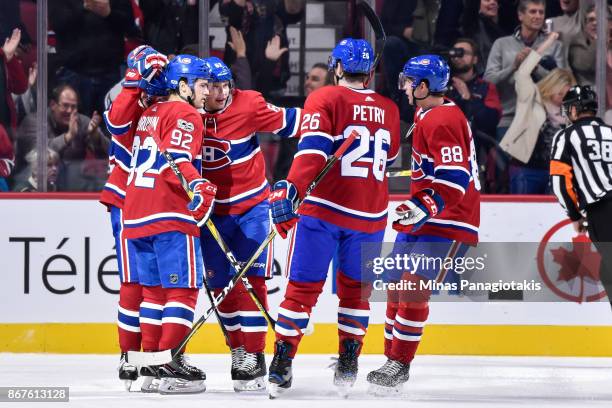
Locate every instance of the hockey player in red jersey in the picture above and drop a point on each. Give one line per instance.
(233, 161)
(440, 218)
(142, 82)
(347, 209)
(162, 224)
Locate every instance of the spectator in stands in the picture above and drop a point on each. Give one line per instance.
(448, 22)
(508, 53)
(569, 24)
(90, 45)
(26, 102)
(479, 101)
(397, 20)
(410, 27)
(316, 78)
(263, 23)
(12, 81)
(77, 138)
(169, 25)
(582, 50)
(7, 158)
(53, 171)
(538, 118)
(480, 23)
(241, 69)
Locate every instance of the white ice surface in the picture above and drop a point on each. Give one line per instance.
(436, 381)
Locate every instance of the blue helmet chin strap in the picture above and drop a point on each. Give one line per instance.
(416, 98)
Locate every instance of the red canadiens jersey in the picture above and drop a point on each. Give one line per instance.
(155, 201)
(232, 158)
(354, 194)
(126, 108)
(444, 159)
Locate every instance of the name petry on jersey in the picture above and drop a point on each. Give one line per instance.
(155, 201)
(444, 159)
(354, 194)
(118, 118)
(232, 158)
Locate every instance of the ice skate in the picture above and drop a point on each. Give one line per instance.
(389, 379)
(178, 377)
(237, 359)
(250, 375)
(150, 376)
(280, 370)
(345, 369)
(127, 372)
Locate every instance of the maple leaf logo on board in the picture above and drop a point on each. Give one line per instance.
(569, 264)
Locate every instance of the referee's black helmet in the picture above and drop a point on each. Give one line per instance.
(583, 98)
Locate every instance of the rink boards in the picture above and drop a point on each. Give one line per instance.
(59, 288)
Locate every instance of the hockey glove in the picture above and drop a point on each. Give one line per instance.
(203, 200)
(413, 213)
(283, 204)
(143, 63)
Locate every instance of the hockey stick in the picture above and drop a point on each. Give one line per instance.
(379, 32)
(236, 265)
(165, 356)
(217, 237)
(399, 173)
(175, 169)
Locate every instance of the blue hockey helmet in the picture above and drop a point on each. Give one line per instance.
(219, 72)
(186, 67)
(356, 56)
(430, 68)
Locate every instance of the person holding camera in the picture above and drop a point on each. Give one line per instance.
(581, 174)
(477, 98)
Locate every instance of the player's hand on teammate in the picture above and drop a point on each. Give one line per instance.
(413, 213)
(283, 205)
(203, 200)
(143, 64)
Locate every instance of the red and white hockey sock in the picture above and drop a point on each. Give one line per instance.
(177, 316)
(229, 310)
(407, 331)
(128, 324)
(294, 311)
(151, 307)
(389, 323)
(353, 310)
(253, 324)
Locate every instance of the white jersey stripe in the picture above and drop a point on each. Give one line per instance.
(315, 199)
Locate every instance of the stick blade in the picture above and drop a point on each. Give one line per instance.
(144, 358)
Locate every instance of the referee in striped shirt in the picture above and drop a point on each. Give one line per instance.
(581, 173)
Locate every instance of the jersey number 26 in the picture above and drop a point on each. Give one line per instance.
(362, 154)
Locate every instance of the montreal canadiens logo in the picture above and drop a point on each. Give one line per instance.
(417, 162)
(215, 153)
(570, 269)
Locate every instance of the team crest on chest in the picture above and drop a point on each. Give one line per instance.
(215, 153)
